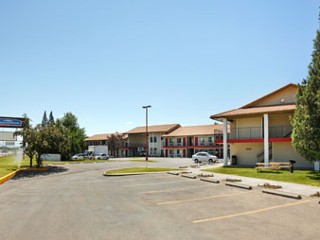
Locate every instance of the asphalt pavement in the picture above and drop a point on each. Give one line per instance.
(78, 202)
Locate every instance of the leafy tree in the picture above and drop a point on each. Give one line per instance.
(49, 140)
(306, 120)
(69, 125)
(115, 142)
(28, 134)
(64, 137)
(41, 140)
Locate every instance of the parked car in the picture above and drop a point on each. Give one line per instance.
(78, 156)
(143, 154)
(201, 157)
(102, 156)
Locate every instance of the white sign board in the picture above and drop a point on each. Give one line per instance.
(7, 136)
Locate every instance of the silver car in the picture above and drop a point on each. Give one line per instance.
(102, 156)
(78, 156)
(202, 157)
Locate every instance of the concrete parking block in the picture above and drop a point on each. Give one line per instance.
(283, 194)
(239, 185)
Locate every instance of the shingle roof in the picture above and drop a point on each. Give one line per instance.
(252, 111)
(196, 130)
(166, 128)
(102, 137)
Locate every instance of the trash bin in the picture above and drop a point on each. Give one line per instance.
(292, 162)
(234, 160)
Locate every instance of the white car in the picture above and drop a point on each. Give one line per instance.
(102, 156)
(78, 156)
(201, 157)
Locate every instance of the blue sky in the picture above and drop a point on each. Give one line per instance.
(103, 60)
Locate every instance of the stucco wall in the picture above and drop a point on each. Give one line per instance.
(248, 122)
(282, 152)
(246, 152)
(283, 97)
(275, 120)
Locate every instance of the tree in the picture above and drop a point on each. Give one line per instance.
(115, 142)
(306, 120)
(45, 121)
(69, 125)
(41, 140)
(51, 119)
(48, 139)
(28, 134)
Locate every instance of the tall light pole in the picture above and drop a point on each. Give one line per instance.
(147, 135)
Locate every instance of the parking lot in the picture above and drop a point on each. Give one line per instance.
(83, 204)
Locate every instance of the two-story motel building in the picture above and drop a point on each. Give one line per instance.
(261, 130)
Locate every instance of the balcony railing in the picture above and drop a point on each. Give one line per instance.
(283, 131)
(189, 145)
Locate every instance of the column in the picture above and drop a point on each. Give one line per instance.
(266, 137)
(225, 142)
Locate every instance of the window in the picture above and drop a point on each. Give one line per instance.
(179, 141)
(155, 139)
(210, 140)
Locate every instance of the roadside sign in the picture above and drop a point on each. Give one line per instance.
(9, 122)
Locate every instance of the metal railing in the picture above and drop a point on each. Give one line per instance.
(281, 131)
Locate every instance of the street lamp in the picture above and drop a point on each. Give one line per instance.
(147, 137)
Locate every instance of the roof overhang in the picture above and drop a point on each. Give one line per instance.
(245, 112)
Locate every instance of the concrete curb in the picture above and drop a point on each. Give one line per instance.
(209, 180)
(239, 185)
(122, 174)
(129, 174)
(8, 176)
(283, 194)
(173, 173)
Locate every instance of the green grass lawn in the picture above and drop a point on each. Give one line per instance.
(142, 160)
(9, 164)
(139, 170)
(298, 176)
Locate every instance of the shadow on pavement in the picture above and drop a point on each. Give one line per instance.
(30, 173)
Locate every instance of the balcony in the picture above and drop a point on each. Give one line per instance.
(283, 131)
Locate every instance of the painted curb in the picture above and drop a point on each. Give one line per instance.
(210, 180)
(8, 176)
(239, 185)
(283, 194)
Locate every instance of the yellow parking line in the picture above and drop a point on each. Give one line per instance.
(177, 189)
(251, 212)
(205, 198)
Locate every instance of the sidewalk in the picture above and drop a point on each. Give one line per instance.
(300, 189)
